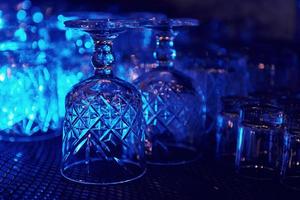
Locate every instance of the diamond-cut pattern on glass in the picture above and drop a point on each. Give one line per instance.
(99, 121)
(165, 107)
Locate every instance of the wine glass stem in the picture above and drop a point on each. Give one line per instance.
(103, 57)
(165, 52)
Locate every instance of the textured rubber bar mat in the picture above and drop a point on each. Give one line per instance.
(31, 171)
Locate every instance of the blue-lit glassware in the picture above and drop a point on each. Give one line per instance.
(72, 42)
(171, 105)
(217, 72)
(259, 141)
(65, 43)
(227, 128)
(28, 64)
(103, 137)
(290, 169)
(14, 12)
(130, 63)
(136, 61)
(290, 166)
(28, 94)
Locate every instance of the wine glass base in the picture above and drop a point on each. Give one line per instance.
(257, 173)
(99, 172)
(39, 136)
(172, 155)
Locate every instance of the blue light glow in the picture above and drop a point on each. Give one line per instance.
(21, 34)
(34, 108)
(88, 44)
(81, 50)
(2, 77)
(61, 18)
(79, 42)
(2, 23)
(42, 44)
(65, 81)
(37, 17)
(69, 34)
(12, 46)
(33, 90)
(43, 32)
(34, 44)
(46, 74)
(21, 15)
(147, 38)
(239, 145)
(219, 121)
(60, 22)
(41, 58)
(33, 29)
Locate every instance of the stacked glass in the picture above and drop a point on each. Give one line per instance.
(227, 128)
(290, 168)
(259, 140)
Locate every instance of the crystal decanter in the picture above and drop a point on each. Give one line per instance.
(171, 105)
(103, 137)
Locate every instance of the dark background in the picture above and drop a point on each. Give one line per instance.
(275, 19)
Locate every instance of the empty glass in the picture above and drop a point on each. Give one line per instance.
(259, 141)
(227, 128)
(290, 172)
(290, 169)
(103, 138)
(172, 108)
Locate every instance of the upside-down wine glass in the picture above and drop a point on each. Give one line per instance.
(172, 108)
(103, 138)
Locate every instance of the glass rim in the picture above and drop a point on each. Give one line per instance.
(12, 46)
(170, 23)
(101, 24)
(262, 114)
(262, 106)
